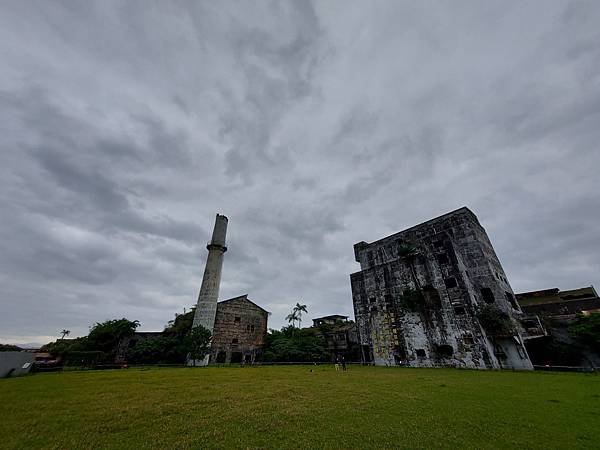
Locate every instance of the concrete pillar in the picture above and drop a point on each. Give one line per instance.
(206, 308)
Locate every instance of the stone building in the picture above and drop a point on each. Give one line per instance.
(554, 302)
(239, 332)
(420, 295)
(559, 310)
(340, 336)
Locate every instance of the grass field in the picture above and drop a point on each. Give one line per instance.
(291, 407)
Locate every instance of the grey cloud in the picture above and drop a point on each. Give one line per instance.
(123, 129)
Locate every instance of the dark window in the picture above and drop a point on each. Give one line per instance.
(248, 328)
(420, 353)
(444, 350)
(221, 356)
(388, 299)
(459, 310)
(251, 327)
(237, 319)
(432, 297)
(372, 300)
(511, 300)
(450, 282)
(236, 357)
(468, 340)
(488, 295)
(439, 243)
(442, 258)
(234, 341)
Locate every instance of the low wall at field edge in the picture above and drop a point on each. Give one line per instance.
(15, 363)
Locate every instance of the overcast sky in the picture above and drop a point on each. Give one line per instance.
(126, 126)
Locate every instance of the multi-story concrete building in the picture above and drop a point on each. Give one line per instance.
(425, 296)
(554, 302)
(239, 332)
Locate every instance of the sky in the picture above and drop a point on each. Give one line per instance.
(126, 126)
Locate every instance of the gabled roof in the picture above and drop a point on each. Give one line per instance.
(245, 298)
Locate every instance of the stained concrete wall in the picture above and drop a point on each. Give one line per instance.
(455, 263)
(15, 363)
(206, 307)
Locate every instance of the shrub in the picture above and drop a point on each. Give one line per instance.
(495, 321)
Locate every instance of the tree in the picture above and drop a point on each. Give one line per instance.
(496, 322)
(62, 348)
(197, 343)
(105, 336)
(586, 330)
(292, 317)
(295, 345)
(157, 350)
(182, 324)
(299, 309)
(64, 333)
(9, 348)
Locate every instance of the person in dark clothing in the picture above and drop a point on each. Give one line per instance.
(343, 364)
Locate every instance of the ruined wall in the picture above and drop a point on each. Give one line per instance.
(453, 272)
(239, 333)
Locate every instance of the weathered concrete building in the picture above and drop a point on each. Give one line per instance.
(340, 335)
(422, 295)
(560, 309)
(239, 333)
(554, 302)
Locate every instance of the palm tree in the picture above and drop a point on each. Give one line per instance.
(299, 309)
(292, 317)
(65, 333)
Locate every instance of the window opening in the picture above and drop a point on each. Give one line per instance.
(487, 294)
(450, 283)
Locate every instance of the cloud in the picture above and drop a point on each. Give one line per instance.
(312, 125)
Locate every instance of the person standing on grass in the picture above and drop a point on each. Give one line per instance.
(337, 364)
(343, 363)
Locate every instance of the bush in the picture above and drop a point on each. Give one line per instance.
(295, 345)
(586, 330)
(495, 321)
(158, 350)
(412, 300)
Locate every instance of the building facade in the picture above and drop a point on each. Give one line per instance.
(340, 336)
(421, 297)
(240, 332)
(554, 302)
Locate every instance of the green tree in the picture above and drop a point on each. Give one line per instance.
(182, 324)
(197, 342)
(586, 330)
(291, 318)
(295, 345)
(496, 322)
(9, 348)
(62, 347)
(299, 309)
(105, 336)
(157, 350)
(64, 333)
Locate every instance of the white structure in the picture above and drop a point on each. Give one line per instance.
(206, 308)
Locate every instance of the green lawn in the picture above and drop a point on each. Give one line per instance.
(292, 407)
